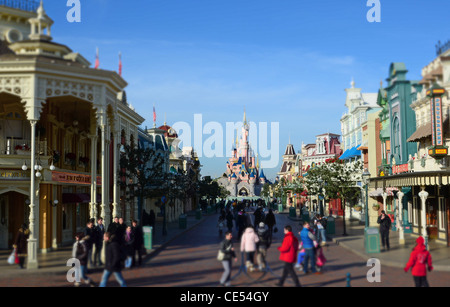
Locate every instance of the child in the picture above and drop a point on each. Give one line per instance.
(320, 261)
(301, 257)
(419, 260)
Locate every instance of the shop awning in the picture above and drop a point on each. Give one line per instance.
(421, 133)
(345, 154)
(351, 153)
(74, 198)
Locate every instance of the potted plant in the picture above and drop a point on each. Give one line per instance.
(376, 207)
(358, 208)
(22, 149)
(70, 158)
(84, 161)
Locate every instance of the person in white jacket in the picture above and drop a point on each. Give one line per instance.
(248, 245)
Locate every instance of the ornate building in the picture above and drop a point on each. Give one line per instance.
(62, 123)
(243, 176)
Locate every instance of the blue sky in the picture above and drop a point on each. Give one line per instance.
(283, 61)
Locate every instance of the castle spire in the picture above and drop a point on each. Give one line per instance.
(245, 117)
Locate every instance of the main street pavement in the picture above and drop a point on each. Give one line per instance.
(187, 258)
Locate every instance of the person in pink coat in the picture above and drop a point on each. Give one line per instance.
(248, 245)
(419, 259)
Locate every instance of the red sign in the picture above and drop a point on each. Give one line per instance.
(398, 169)
(74, 178)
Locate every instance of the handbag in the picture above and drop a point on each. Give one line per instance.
(12, 257)
(16, 258)
(220, 255)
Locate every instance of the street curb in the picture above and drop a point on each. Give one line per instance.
(438, 268)
(152, 253)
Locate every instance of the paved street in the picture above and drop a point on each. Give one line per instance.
(189, 261)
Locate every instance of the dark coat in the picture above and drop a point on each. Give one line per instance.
(270, 219)
(21, 243)
(264, 238)
(112, 257)
(385, 224)
(138, 236)
(90, 237)
(225, 247)
(81, 252)
(112, 228)
(99, 232)
(230, 219)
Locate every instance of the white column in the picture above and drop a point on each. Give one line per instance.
(105, 214)
(33, 240)
(115, 175)
(423, 214)
(385, 195)
(400, 196)
(93, 203)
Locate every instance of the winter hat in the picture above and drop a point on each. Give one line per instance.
(261, 225)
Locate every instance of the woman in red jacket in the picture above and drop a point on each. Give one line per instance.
(288, 254)
(419, 260)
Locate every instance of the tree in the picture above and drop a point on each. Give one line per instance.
(142, 173)
(335, 180)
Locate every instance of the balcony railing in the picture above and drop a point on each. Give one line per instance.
(21, 147)
(24, 5)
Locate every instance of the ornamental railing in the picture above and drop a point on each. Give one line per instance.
(24, 5)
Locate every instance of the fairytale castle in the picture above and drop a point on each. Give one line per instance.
(243, 176)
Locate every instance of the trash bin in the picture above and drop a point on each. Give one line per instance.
(280, 207)
(148, 240)
(372, 240)
(198, 214)
(182, 221)
(331, 226)
(292, 212)
(305, 217)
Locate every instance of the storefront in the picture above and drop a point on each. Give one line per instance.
(425, 204)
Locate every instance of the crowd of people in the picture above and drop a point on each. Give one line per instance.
(121, 243)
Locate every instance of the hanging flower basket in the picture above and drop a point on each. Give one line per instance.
(358, 208)
(376, 207)
(22, 149)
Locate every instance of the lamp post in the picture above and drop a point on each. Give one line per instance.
(366, 179)
(321, 201)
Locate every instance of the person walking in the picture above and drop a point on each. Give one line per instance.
(419, 259)
(321, 224)
(270, 221)
(112, 261)
(226, 247)
(288, 254)
(21, 244)
(308, 241)
(99, 232)
(129, 247)
(138, 242)
(229, 218)
(385, 225)
(89, 239)
(248, 246)
(263, 245)
(80, 251)
(241, 223)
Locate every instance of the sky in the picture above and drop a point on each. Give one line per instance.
(287, 62)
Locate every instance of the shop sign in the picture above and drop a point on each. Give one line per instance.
(399, 169)
(73, 178)
(13, 174)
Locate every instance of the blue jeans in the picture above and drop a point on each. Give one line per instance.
(226, 276)
(323, 234)
(117, 275)
(309, 254)
(83, 272)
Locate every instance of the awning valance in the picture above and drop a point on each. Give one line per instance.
(421, 133)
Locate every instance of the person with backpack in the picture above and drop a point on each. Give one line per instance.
(226, 247)
(419, 259)
(80, 251)
(113, 258)
(263, 245)
(385, 225)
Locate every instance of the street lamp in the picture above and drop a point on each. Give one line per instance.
(321, 201)
(366, 178)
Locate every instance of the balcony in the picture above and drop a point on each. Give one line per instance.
(21, 147)
(23, 5)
